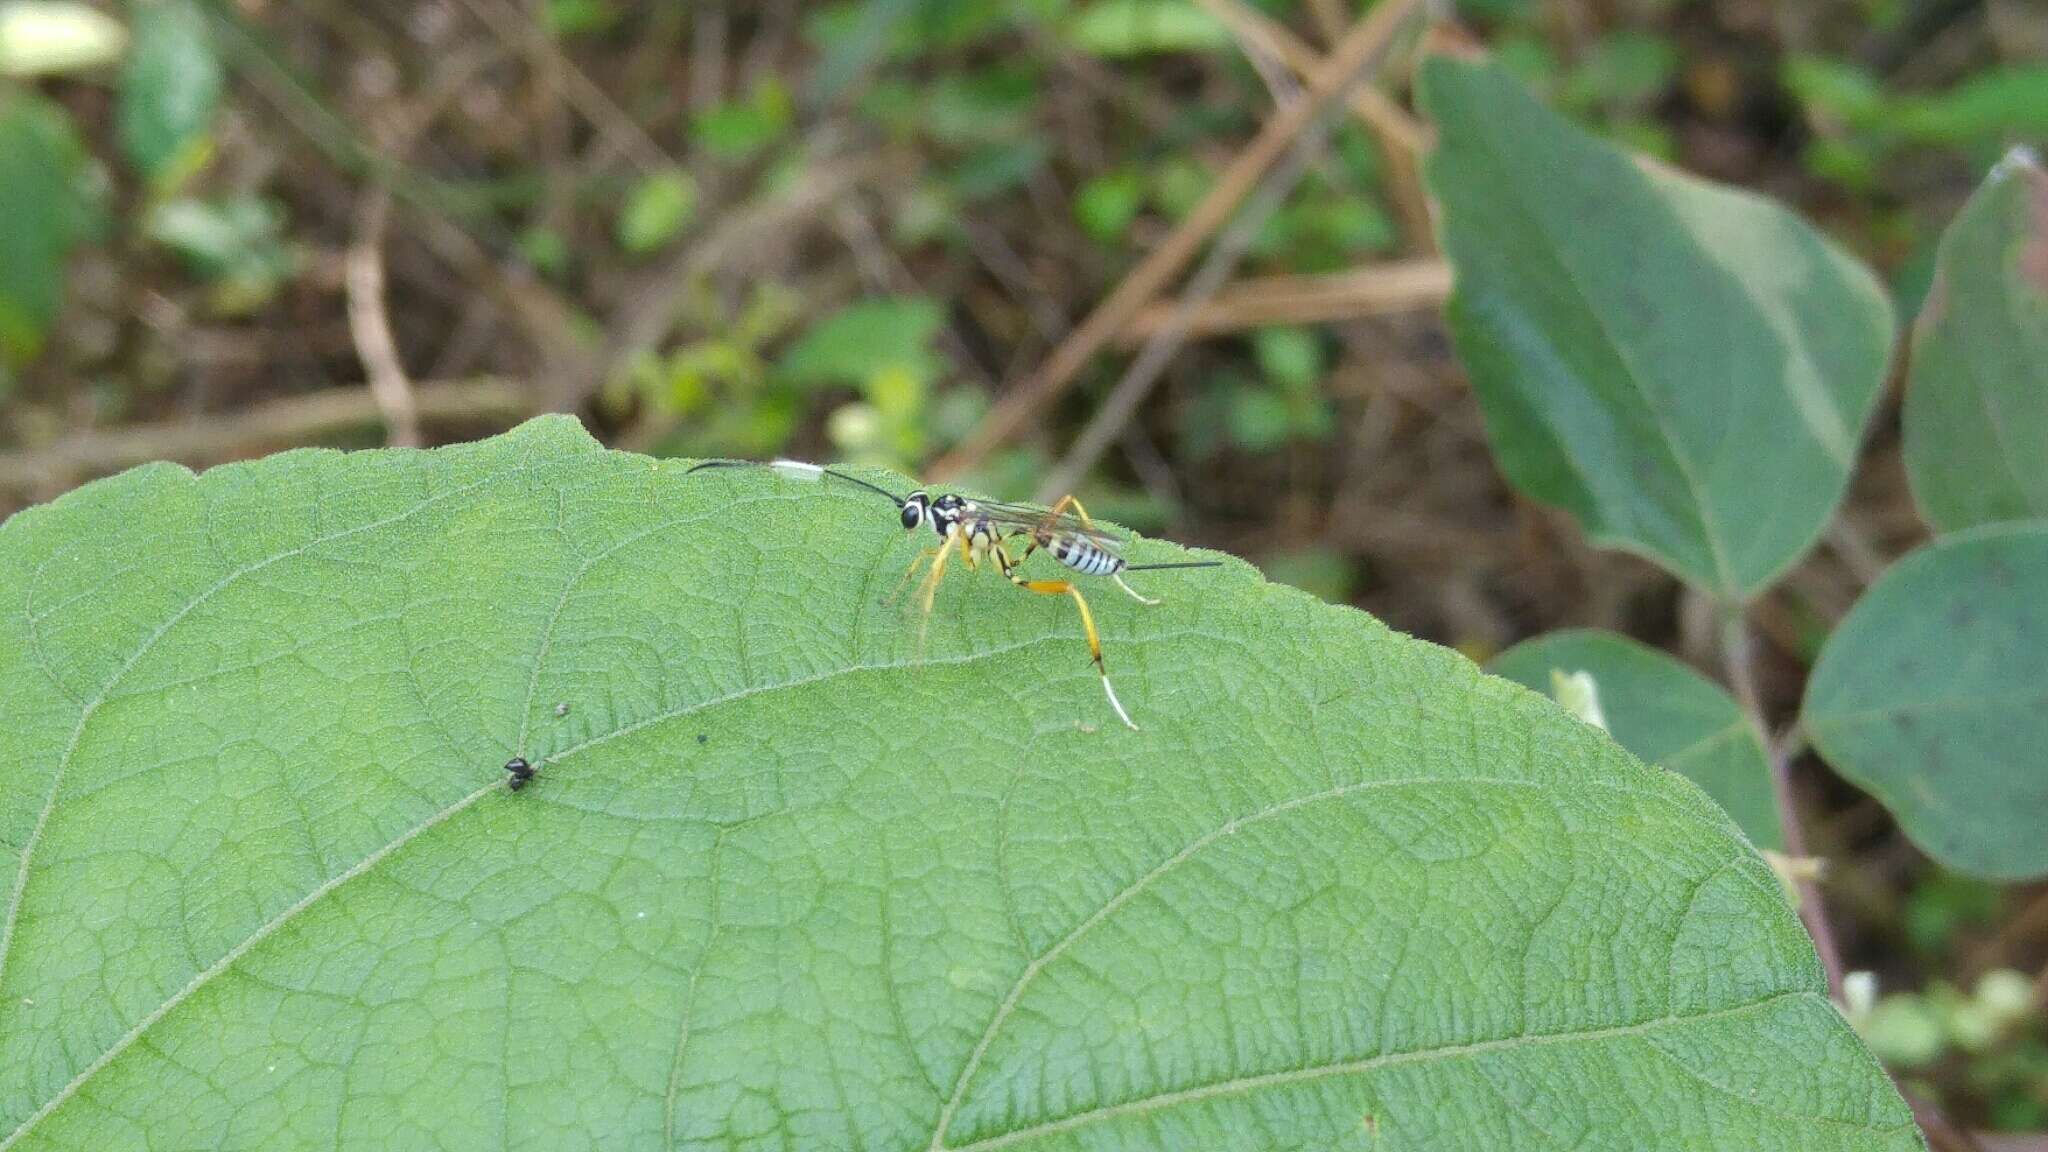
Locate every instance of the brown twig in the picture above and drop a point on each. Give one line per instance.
(1377, 111)
(1164, 263)
(1253, 303)
(648, 311)
(217, 437)
(1402, 138)
(369, 325)
(1738, 657)
(516, 28)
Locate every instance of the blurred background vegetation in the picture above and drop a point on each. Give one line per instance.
(847, 230)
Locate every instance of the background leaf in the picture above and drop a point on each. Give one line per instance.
(1664, 712)
(1685, 368)
(1933, 696)
(1118, 28)
(774, 888)
(1976, 414)
(862, 341)
(658, 210)
(40, 165)
(50, 37)
(169, 88)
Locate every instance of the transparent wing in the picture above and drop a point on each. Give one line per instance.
(1031, 518)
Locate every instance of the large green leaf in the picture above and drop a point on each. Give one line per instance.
(1976, 419)
(777, 885)
(1933, 695)
(1685, 368)
(1665, 713)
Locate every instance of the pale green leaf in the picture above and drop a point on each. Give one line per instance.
(41, 160)
(1932, 695)
(1117, 28)
(865, 340)
(658, 210)
(169, 88)
(778, 885)
(1665, 713)
(1685, 368)
(50, 37)
(1976, 415)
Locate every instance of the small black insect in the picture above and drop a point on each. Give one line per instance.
(703, 737)
(520, 771)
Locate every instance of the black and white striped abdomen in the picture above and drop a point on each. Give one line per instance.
(1083, 556)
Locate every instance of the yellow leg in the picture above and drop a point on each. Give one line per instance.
(1065, 588)
(1068, 501)
(929, 591)
(923, 558)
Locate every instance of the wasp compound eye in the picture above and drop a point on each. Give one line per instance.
(519, 771)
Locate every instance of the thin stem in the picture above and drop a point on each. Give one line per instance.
(1739, 658)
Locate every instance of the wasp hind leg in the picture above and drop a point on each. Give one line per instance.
(1065, 588)
(1068, 501)
(1135, 594)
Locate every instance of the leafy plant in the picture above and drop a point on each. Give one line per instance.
(1711, 429)
(41, 168)
(1686, 369)
(776, 885)
(1976, 416)
(1665, 713)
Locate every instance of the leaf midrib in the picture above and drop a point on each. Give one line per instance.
(369, 862)
(92, 707)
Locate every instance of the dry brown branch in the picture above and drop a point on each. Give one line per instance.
(369, 325)
(648, 313)
(516, 28)
(1257, 31)
(217, 437)
(1402, 138)
(1118, 408)
(1376, 291)
(1164, 263)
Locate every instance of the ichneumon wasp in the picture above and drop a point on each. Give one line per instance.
(981, 532)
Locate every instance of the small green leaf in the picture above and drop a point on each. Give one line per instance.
(779, 884)
(1666, 713)
(739, 129)
(50, 37)
(565, 19)
(1932, 695)
(2001, 102)
(41, 162)
(1836, 92)
(1106, 206)
(237, 244)
(864, 340)
(657, 211)
(1290, 357)
(1119, 28)
(1621, 69)
(169, 88)
(1976, 413)
(1685, 368)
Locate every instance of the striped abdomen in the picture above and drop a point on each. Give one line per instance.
(1083, 556)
